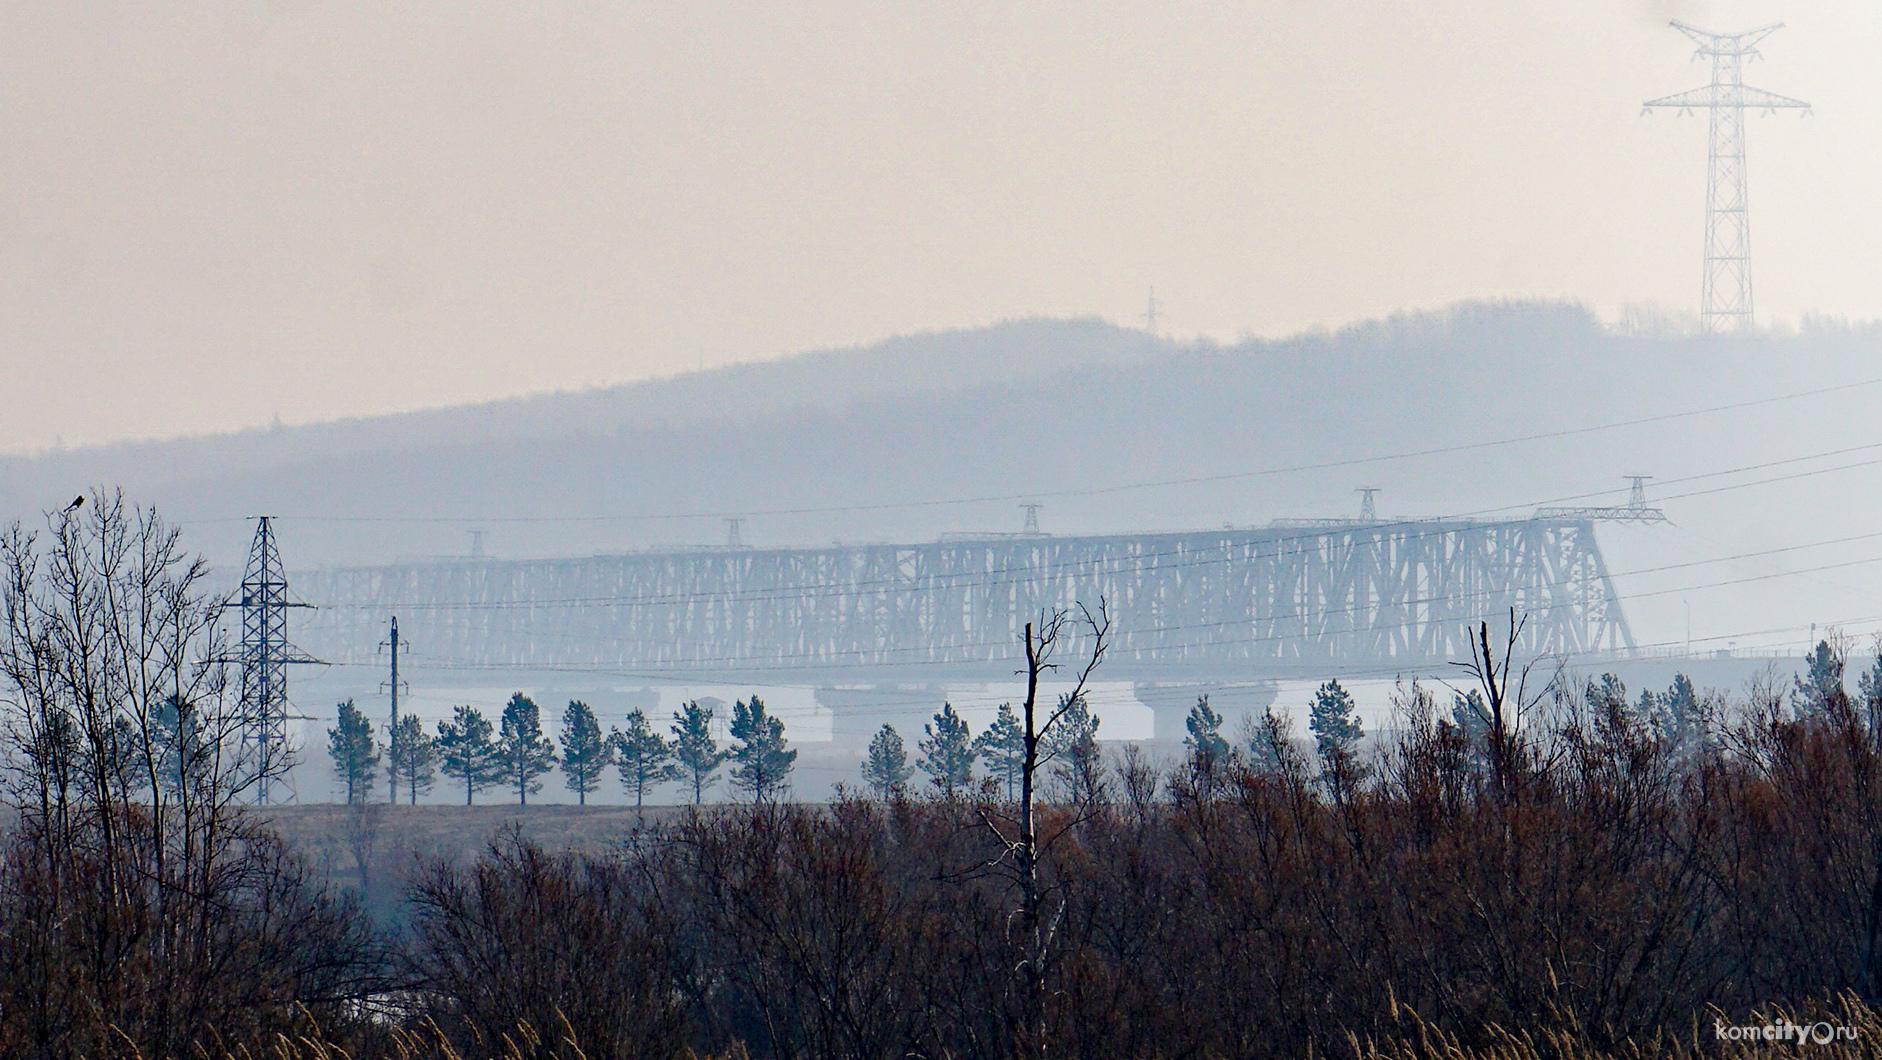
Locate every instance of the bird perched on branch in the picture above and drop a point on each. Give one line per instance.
(76, 503)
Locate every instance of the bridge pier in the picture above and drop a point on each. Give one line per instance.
(858, 712)
(1237, 702)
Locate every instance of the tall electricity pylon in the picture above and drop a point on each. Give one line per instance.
(264, 659)
(1725, 295)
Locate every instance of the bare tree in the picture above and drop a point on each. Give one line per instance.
(1021, 844)
(1507, 699)
(1141, 779)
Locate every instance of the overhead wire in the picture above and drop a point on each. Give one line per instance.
(591, 601)
(877, 653)
(1141, 560)
(1233, 476)
(832, 659)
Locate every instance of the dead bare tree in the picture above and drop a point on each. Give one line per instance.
(1507, 705)
(1020, 844)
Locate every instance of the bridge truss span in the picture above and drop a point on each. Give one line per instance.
(1190, 604)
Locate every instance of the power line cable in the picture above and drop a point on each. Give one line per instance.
(831, 659)
(1235, 476)
(1139, 561)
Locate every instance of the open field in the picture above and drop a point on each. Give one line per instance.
(374, 848)
(445, 830)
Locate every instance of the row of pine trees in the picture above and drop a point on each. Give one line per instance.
(515, 755)
(950, 751)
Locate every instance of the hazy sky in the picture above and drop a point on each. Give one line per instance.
(218, 213)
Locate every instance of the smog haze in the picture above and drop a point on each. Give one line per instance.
(223, 214)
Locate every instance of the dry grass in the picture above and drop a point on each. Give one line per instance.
(424, 1042)
(1421, 1041)
(1847, 1014)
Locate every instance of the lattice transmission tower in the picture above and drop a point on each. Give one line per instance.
(264, 658)
(1725, 294)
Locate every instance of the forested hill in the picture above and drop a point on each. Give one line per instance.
(877, 443)
(385, 465)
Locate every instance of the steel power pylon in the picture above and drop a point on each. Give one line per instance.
(1636, 510)
(1725, 295)
(265, 657)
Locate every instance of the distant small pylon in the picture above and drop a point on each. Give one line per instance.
(1637, 494)
(1368, 513)
(1032, 519)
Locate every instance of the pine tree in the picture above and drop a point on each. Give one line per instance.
(1271, 748)
(1605, 694)
(1334, 721)
(947, 752)
(762, 764)
(1003, 746)
(1207, 749)
(1683, 713)
(355, 753)
(1073, 746)
(585, 752)
(694, 748)
(1869, 686)
(522, 748)
(643, 758)
(1681, 698)
(467, 750)
(118, 754)
(183, 756)
(1648, 713)
(1821, 687)
(1470, 715)
(886, 769)
(415, 755)
(52, 746)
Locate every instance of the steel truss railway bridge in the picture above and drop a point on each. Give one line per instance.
(1313, 599)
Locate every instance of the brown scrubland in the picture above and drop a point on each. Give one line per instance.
(1622, 890)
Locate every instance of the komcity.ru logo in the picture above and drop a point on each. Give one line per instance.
(1822, 1032)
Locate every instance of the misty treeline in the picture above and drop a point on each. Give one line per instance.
(1561, 856)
